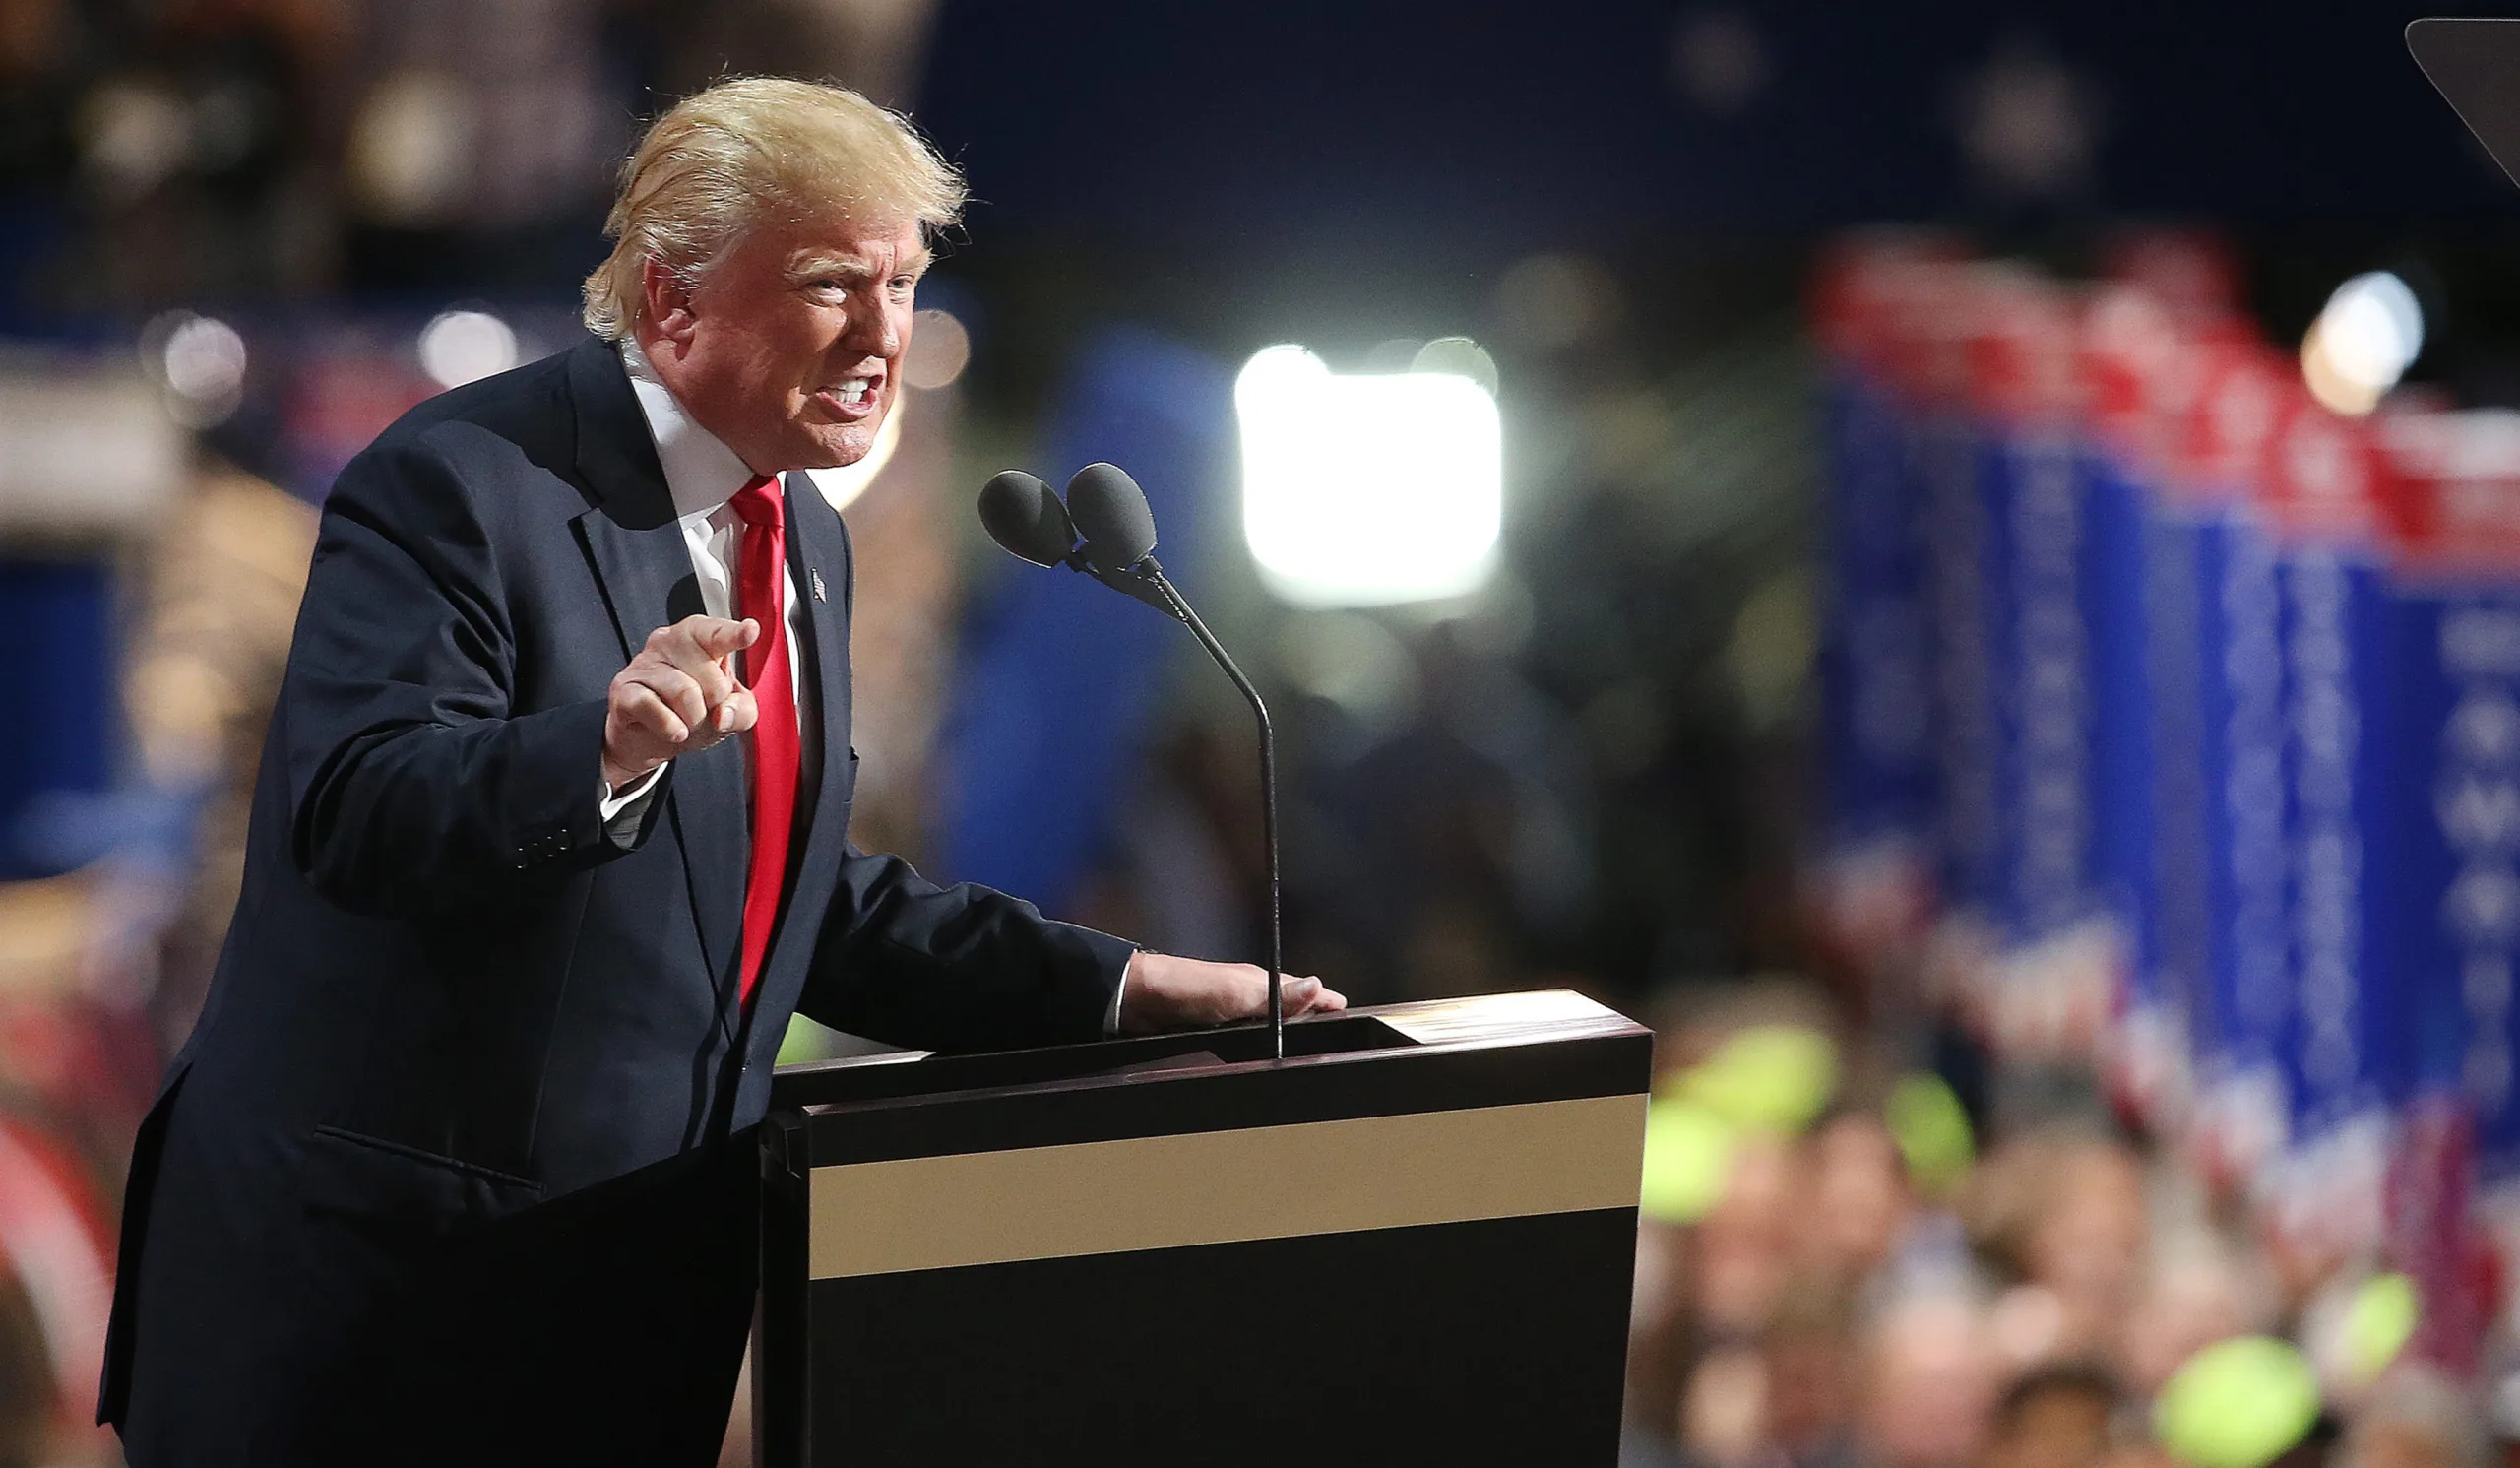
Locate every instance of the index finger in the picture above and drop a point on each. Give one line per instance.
(717, 636)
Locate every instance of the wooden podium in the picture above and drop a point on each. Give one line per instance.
(1409, 1242)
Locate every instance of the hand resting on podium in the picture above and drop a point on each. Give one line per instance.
(1165, 992)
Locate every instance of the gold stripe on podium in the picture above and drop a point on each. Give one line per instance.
(1226, 1186)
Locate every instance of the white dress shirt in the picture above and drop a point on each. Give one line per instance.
(703, 475)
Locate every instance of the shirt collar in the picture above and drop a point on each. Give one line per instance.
(702, 473)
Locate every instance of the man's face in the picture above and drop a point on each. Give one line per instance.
(789, 347)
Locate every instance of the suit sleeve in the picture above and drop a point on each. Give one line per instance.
(414, 784)
(960, 968)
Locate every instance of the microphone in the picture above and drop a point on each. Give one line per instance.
(1108, 509)
(1026, 520)
(1023, 516)
(1112, 511)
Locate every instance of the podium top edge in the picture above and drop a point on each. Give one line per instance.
(1372, 1034)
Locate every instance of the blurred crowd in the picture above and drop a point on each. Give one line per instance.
(212, 150)
(1843, 1264)
(2155, 1109)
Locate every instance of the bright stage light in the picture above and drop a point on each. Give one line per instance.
(2369, 333)
(461, 347)
(1367, 490)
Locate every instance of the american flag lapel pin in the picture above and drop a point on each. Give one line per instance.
(817, 578)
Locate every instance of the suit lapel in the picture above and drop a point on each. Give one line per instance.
(635, 546)
(818, 558)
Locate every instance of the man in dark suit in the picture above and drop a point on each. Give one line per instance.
(550, 840)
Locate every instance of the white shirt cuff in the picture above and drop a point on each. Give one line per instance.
(608, 805)
(1112, 1016)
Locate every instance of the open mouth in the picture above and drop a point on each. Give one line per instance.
(850, 397)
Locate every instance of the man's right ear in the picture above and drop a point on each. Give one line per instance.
(665, 297)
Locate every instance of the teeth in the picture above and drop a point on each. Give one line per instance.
(853, 390)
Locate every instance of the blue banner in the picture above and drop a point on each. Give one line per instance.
(1875, 662)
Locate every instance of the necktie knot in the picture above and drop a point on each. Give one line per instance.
(758, 503)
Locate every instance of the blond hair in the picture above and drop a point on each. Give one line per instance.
(748, 151)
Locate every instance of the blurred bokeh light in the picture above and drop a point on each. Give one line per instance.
(463, 346)
(1367, 489)
(2369, 333)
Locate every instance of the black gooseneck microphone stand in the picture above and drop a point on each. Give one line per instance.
(1147, 582)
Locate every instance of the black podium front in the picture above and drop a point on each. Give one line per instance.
(1409, 1242)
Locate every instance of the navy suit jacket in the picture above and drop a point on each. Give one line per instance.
(456, 1159)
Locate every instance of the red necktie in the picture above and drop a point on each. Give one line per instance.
(761, 586)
